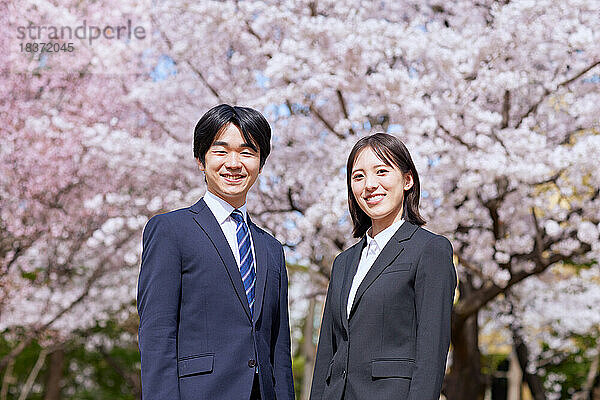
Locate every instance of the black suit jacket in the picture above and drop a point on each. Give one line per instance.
(197, 338)
(395, 343)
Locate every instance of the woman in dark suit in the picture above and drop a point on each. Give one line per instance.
(386, 324)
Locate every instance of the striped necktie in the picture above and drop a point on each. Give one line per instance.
(246, 257)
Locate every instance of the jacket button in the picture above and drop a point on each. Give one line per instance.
(252, 363)
(344, 374)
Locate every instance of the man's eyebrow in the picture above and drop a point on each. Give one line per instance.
(245, 145)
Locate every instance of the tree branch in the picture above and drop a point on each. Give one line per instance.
(548, 92)
(457, 138)
(470, 304)
(325, 122)
(33, 375)
(505, 110)
(343, 106)
(588, 385)
(470, 267)
(131, 379)
(90, 282)
(190, 65)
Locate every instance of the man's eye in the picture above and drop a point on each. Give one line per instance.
(382, 171)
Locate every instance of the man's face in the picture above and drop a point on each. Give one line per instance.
(231, 166)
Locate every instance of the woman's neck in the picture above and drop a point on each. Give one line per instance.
(379, 225)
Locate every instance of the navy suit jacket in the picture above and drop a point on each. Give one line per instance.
(395, 342)
(197, 339)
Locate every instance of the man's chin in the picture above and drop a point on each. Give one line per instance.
(234, 195)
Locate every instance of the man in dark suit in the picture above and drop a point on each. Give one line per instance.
(212, 291)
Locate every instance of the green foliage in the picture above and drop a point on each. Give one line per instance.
(298, 372)
(89, 372)
(21, 368)
(491, 362)
(574, 367)
(32, 276)
(92, 374)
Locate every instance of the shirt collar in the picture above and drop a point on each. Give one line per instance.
(385, 235)
(220, 208)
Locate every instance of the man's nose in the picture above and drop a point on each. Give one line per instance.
(233, 160)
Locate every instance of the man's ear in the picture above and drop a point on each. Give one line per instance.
(200, 165)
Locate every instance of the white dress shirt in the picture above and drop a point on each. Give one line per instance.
(222, 211)
(368, 257)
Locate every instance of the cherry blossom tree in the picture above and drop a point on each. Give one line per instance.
(79, 180)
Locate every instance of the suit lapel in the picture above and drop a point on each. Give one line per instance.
(208, 223)
(261, 255)
(388, 254)
(350, 271)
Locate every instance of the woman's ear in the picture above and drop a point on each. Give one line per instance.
(408, 181)
(200, 165)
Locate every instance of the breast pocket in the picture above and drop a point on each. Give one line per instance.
(397, 267)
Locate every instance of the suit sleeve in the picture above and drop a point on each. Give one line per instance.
(326, 347)
(282, 361)
(158, 300)
(434, 293)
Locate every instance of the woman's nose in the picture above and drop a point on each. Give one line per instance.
(371, 182)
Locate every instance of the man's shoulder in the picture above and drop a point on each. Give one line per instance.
(265, 235)
(168, 219)
(172, 215)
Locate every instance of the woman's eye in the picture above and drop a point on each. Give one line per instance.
(357, 177)
(382, 171)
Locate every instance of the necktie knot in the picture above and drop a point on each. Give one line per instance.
(237, 216)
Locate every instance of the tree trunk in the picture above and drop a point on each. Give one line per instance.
(308, 349)
(464, 380)
(515, 378)
(536, 386)
(56, 363)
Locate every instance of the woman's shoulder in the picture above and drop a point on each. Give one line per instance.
(350, 250)
(341, 260)
(431, 239)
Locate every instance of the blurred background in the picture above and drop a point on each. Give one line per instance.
(498, 102)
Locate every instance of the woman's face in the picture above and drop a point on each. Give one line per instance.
(379, 189)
